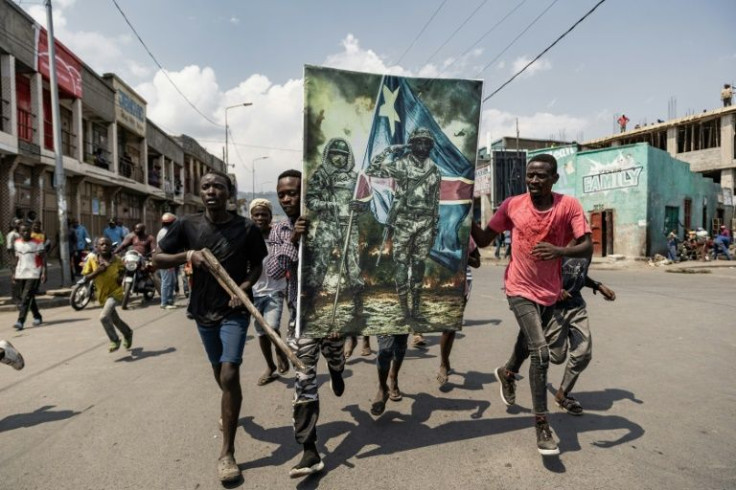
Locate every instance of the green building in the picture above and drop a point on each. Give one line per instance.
(634, 195)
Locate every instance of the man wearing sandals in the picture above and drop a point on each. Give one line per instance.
(542, 224)
(283, 262)
(222, 321)
(569, 334)
(268, 298)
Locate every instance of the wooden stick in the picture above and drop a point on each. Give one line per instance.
(229, 285)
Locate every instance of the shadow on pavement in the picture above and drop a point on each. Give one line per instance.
(137, 353)
(567, 428)
(38, 416)
(473, 323)
(394, 432)
(472, 380)
(62, 321)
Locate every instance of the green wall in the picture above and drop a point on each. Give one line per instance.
(616, 179)
(636, 182)
(671, 184)
(565, 156)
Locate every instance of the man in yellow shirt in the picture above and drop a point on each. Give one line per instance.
(106, 269)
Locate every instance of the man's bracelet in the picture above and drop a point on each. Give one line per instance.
(189, 255)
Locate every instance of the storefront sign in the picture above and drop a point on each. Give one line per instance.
(68, 66)
(482, 181)
(130, 109)
(616, 179)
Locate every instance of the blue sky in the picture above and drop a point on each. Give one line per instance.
(629, 56)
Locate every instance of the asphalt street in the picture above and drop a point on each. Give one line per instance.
(659, 398)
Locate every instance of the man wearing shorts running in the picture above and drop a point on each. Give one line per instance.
(221, 319)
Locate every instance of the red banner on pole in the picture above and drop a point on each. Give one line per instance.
(68, 66)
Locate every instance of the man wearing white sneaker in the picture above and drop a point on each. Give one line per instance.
(282, 262)
(9, 355)
(29, 273)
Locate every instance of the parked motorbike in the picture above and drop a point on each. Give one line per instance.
(139, 277)
(84, 290)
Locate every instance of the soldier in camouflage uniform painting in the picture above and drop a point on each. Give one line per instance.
(414, 213)
(330, 196)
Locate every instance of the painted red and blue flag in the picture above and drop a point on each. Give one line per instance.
(399, 112)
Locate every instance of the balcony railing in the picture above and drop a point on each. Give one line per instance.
(5, 116)
(130, 170)
(99, 157)
(68, 146)
(25, 125)
(154, 177)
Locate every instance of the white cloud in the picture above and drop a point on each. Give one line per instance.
(234, 20)
(537, 125)
(541, 64)
(355, 58)
(102, 52)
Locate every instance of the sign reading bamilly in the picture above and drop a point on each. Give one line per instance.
(130, 108)
(615, 179)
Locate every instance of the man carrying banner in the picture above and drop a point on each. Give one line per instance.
(413, 216)
(282, 262)
(542, 224)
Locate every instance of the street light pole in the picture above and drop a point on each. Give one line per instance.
(253, 168)
(227, 128)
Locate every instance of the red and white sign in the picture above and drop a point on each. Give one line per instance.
(68, 66)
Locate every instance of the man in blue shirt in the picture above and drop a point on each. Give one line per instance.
(114, 232)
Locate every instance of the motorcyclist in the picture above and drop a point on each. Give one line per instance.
(141, 242)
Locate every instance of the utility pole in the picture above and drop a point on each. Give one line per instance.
(59, 178)
(253, 180)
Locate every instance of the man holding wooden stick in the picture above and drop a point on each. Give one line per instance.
(221, 318)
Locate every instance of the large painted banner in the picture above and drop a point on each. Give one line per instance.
(389, 168)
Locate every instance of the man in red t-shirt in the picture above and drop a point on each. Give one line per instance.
(542, 223)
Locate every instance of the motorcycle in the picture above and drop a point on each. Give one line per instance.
(84, 290)
(139, 277)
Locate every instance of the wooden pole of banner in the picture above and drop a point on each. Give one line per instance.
(231, 287)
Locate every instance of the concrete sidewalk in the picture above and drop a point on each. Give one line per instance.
(53, 294)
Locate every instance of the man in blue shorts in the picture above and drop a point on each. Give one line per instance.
(268, 294)
(221, 319)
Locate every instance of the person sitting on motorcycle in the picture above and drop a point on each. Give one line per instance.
(141, 242)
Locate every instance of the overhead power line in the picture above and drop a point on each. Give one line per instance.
(246, 145)
(472, 14)
(518, 36)
(166, 74)
(485, 34)
(420, 32)
(545, 50)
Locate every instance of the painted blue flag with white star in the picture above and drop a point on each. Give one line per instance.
(398, 112)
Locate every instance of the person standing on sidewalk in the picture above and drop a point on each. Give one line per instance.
(222, 320)
(283, 261)
(168, 276)
(106, 270)
(268, 295)
(29, 273)
(542, 224)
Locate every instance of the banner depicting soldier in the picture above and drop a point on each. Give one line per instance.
(389, 168)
